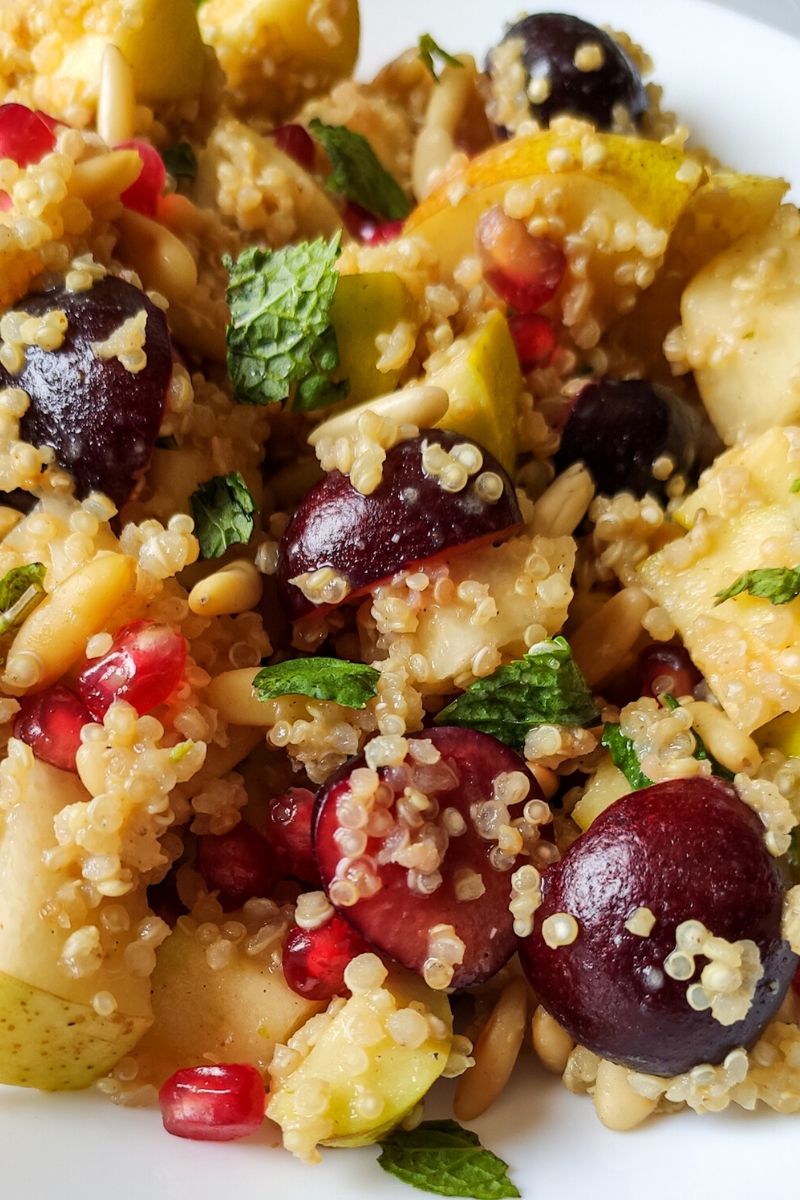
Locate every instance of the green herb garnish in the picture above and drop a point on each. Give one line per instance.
(779, 585)
(348, 683)
(429, 50)
(358, 174)
(624, 756)
(180, 161)
(444, 1158)
(223, 509)
(795, 486)
(21, 591)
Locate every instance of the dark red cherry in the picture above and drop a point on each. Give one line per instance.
(288, 831)
(238, 864)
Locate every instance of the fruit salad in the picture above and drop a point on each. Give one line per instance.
(399, 584)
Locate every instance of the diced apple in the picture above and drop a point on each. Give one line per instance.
(750, 476)
(368, 1078)
(740, 319)
(364, 307)
(605, 786)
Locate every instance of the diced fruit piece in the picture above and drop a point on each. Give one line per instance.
(51, 723)
(370, 1087)
(692, 853)
(620, 427)
(314, 960)
(51, 1037)
(741, 343)
(523, 270)
(367, 227)
(288, 830)
(365, 306)
(605, 786)
(238, 864)
(534, 339)
(236, 1014)
(213, 1104)
(101, 418)
(297, 142)
(575, 68)
(143, 667)
(783, 733)
(667, 668)
(24, 136)
(276, 52)
(480, 373)
(411, 516)
(144, 193)
(397, 884)
(748, 477)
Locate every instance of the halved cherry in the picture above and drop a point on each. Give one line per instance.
(688, 850)
(288, 831)
(410, 517)
(445, 808)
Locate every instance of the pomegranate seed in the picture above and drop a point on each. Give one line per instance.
(24, 135)
(288, 830)
(524, 270)
(52, 123)
(314, 960)
(51, 723)
(144, 666)
(534, 338)
(297, 142)
(144, 192)
(213, 1104)
(667, 669)
(368, 228)
(238, 864)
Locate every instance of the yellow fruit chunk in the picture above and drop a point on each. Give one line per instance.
(606, 785)
(276, 52)
(480, 373)
(51, 1037)
(747, 477)
(364, 307)
(370, 1064)
(237, 1014)
(783, 734)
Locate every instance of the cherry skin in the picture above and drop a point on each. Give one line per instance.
(667, 668)
(238, 864)
(297, 142)
(288, 831)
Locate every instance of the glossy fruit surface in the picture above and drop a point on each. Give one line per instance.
(667, 668)
(410, 517)
(101, 419)
(288, 831)
(25, 135)
(534, 339)
(213, 1104)
(619, 427)
(314, 960)
(397, 908)
(523, 270)
(688, 850)
(144, 192)
(369, 228)
(297, 142)
(238, 864)
(50, 723)
(555, 47)
(143, 667)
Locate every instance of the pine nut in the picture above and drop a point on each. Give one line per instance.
(232, 694)
(105, 176)
(116, 102)
(618, 1106)
(729, 745)
(562, 507)
(162, 262)
(495, 1053)
(601, 642)
(422, 406)
(234, 588)
(435, 144)
(551, 1041)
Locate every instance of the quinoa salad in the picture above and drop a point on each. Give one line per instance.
(399, 582)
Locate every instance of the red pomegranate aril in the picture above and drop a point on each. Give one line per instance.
(144, 666)
(534, 338)
(288, 831)
(51, 723)
(25, 136)
(314, 960)
(213, 1104)
(523, 270)
(667, 669)
(297, 142)
(143, 193)
(368, 228)
(238, 864)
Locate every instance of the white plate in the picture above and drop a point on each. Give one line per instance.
(732, 81)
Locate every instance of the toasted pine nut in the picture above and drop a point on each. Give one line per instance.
(163, 263)
(551, 1041)
(546, 779)
(495, 1053)
(729, 745)
(116, 101)
(235, 588)
(105, 176)
(422, 406)
(232, 694)
(54, 636)
(562, 507)
(603, 639)
(618, 1106)
(435, 144)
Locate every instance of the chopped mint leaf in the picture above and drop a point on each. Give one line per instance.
(543, 688)
(223, 509)
(358, 174)
(779, 585)
(444, 1158)
(21, 590)
(429, 49)
(281, 343)
(179, 752)
(795, 486)
(180, 161)
(349, 683)
(624, 756)
(701, 751)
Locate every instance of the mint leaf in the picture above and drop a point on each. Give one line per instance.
(281, 343)
(21, 590)
(779, 585)
(624, 756)
(348, 683)
(180, 161)
(795, 486)
(701, 751)
(441, 1157)
(358, 174)
(543, 688)
(429, 49)
(223, 509)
